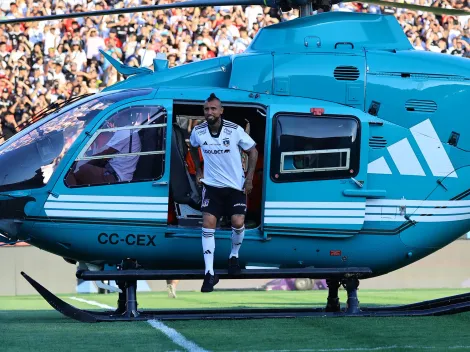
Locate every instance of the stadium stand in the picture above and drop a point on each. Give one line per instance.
(45, 62)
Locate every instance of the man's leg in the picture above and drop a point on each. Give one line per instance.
(171, 287)
(210, 213)
(90, 174)
(238, 211)
(209, 223)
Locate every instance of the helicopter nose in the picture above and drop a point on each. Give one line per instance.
(9, 230)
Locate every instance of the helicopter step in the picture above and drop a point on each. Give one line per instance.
(127, 307)
(311, 273)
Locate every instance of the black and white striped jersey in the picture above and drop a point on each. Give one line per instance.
(221, 153)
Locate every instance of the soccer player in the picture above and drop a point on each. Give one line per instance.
(225, 186)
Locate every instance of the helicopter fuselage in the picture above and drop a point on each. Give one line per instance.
(384, 126)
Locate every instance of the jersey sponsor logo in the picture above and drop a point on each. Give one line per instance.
(201, 132)
(205, 143)
(130, 239)
(218, 151)
(226, 142)
(227, 130)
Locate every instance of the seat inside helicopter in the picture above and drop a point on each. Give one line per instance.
(185, 193)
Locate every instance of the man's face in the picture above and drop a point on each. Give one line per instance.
(212, 111)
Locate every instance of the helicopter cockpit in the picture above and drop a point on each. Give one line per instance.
(114, 153)
(32, 155)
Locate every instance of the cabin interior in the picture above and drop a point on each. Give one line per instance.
(185, 194)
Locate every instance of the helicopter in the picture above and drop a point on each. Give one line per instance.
(363, 164)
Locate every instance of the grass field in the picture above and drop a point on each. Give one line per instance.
(28, 323)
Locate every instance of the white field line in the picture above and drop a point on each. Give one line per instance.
(171, 333)
(92, 303)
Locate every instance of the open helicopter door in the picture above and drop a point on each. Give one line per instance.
(126, 189)
(317, 165)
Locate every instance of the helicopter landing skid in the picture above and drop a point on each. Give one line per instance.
(127, 308)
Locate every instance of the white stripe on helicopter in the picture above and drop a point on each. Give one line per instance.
(284, 212)
(367, 204)
(418, 218)
(321, 205)
(111, 207)
(302, 220)
(105, 214)
(406, 160)
(375, 210)
(97, 206)
(108, 199)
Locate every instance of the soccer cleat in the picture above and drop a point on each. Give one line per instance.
(234, 266)
(209, 282)
(171, 291)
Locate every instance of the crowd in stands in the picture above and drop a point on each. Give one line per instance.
(44, 62)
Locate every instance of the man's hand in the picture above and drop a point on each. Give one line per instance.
(199, 175)
(248, 186)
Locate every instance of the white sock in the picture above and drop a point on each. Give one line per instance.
(208, 247)
(237, 239)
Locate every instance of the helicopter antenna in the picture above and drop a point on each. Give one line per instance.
(152, 32)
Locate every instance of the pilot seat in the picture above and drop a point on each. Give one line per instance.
(150, 166)
(185, 192)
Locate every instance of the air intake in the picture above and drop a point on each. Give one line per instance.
(376, 142)
(420, 105)
(346, 73)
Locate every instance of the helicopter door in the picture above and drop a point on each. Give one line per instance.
(131, 184)
(317, 175)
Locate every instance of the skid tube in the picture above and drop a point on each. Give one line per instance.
(347, 277)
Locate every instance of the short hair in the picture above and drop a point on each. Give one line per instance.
(213, 97)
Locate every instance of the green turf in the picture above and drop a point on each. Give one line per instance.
(27, 323)
(235, 299)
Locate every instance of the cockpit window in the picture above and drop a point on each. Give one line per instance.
(128, 147)
(28, 159)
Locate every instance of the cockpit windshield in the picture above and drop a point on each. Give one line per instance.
(28, 159)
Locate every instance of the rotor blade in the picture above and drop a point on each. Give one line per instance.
(182, 4)
(435, 10)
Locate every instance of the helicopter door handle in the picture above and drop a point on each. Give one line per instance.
(312, 40)
(344, 43)
(160, 183)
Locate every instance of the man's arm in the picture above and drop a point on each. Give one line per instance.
(249, 146)
(195, 156)
(252, 160)
(102, 162)
(193, 149)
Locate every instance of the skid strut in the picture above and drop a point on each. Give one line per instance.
(127, 302)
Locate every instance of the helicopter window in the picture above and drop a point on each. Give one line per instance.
(307, 148)
(315, 160)
(32, 156)
(128, 146)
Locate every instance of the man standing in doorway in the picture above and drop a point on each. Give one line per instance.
(225, 186)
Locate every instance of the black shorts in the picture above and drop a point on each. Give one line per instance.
(223, 201)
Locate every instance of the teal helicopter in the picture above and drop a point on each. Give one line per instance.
(363, 164)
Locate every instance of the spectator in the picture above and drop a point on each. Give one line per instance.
(45, 61)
